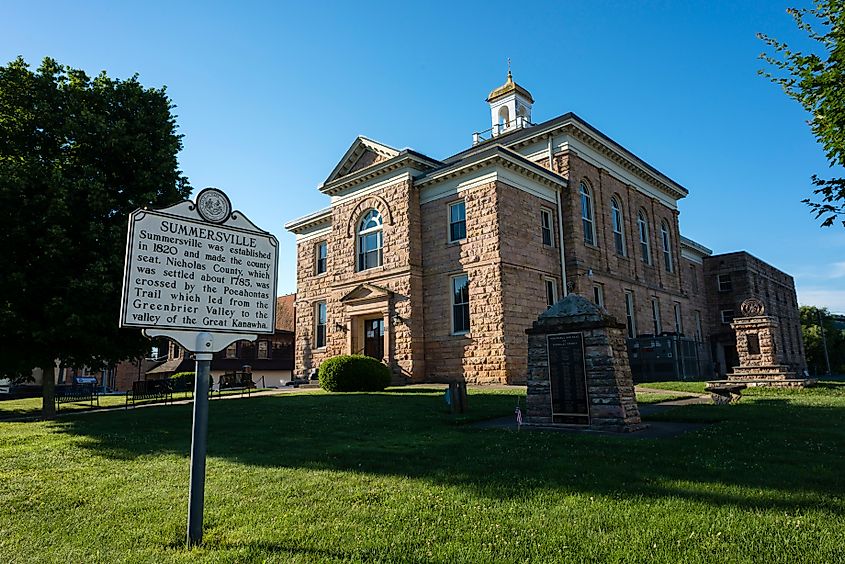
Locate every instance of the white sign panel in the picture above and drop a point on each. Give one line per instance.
(199, 267)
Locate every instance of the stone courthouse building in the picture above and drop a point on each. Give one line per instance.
(438, 266)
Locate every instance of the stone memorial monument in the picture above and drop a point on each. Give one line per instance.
(578, 371)
(757, 335)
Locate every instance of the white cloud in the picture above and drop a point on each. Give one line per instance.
(831, 272)
(834, 300)
(837, 270)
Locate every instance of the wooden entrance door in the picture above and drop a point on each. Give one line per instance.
(374, 338)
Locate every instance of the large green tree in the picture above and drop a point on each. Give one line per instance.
(815, 323)
(816, 79)
(77, 155)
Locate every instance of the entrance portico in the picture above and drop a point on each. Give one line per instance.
(367, 320)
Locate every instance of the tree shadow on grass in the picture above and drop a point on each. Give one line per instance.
(767, 453)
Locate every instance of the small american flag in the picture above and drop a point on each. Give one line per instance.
(518, 416)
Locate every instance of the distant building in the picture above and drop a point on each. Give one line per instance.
(731, 278)
(269, 358)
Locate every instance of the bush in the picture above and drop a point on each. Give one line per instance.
(184, 381)
(353, 373)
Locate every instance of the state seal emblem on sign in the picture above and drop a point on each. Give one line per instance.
(213, 205)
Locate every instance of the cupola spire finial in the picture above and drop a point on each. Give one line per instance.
(510, 76)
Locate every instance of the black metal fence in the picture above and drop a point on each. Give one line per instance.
(669, 357)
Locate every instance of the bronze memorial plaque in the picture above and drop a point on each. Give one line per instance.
(568, 379)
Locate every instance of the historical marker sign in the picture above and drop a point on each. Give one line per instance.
(185, 273)
(205, 276)
(568, 378)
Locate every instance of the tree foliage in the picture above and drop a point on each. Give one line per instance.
(77, 155)
(816, 81)
(813, 320)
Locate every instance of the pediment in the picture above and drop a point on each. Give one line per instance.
(367, 292)
(363, 153)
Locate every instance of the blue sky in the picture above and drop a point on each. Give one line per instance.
(269, 96)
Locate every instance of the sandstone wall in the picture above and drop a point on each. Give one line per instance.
(478, 356)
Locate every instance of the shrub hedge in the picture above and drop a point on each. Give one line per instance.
(353, 373)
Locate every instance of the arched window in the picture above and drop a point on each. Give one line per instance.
(587, 215)
(504, 116)
(645, 247)
(369, 240)
(666, 240)
(617, 223)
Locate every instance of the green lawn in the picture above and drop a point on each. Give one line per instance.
(649, 397)
(391, 477)
(31, 407)
(689, 387)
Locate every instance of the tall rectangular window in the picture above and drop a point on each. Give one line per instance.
(725, 283)
(321, 252)
(679, 322)
(630, 319)
(598, 295)
(666, 241)
(655, 315)
(263, 350)
(551, 291)
(587, 215)
(546, 226)
(232, 350)
(320, 325)
(457, 221)
(618, 226)
(645, 246)
(460, 304)
(727, 316)
(698, 333)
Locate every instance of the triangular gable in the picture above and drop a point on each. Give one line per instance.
(367, 292)
(363, 153)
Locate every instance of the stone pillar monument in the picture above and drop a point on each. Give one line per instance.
(578, 370)
(757, 336)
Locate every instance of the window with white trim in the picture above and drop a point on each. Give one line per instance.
(587, 215)
(679, 322)
(725, 282)
(630, 318)
(370, 240)
(457, 221)
(321, 252)
(598, 295)
(232, 350)
(617, 222)
(320, 325)
(645, 245)
(546, 224)
(551, 291)
(655, 315)
(698, 333)
(665, 238)
(727, 316)
(263, 350)
(460, 304)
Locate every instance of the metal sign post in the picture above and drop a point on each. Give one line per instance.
(204, 276)
(199, 436)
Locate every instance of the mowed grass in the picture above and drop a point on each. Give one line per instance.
(392, 477)
(30, 408)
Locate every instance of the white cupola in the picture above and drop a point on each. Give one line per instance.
(510, 107)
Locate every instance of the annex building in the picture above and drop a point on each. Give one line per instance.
(438, 266)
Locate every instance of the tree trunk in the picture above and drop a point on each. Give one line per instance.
(48, 390)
